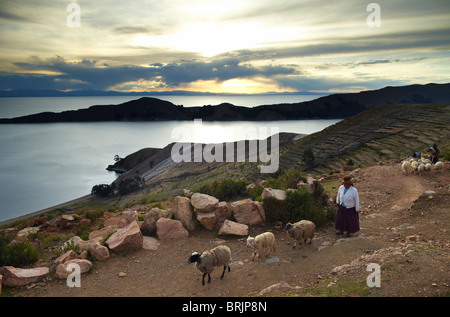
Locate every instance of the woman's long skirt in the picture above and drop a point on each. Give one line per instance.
(347, 219)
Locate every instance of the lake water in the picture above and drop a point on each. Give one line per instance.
(47, 164)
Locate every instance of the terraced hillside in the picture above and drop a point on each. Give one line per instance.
(381, 133)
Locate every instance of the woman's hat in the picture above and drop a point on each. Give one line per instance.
(347, 180)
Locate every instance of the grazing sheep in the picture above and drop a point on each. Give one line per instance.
(439, 165)
(206, 262)
(301, 230)
(262, 241)
(413, 167)
(428, 167)
(405, 167)
(421, 168)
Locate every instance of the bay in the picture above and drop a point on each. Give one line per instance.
(48, 164)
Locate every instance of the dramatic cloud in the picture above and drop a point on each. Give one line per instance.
(213, 45)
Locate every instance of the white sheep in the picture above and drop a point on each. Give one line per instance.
(262, 241)
(421, 168)
(413, 167)
(439, 165)
(428, 166)
(405, 167)
(218, 256)
(301, 230)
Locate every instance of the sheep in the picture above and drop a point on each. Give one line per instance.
(421, 168)
(218, 256)
(262, 241)
(438, 165)
(303, 229)
(405, 167)
(413, 167)
(428, 167)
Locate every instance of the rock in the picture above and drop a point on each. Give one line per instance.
(170, 228)
(99, 252)
(63, 270)
(204, 202)
(117, 222)
(130, 216)
(69, 255)
(276, 193)
(182, 210)
(150, 243)
(127, 238)
(67, 221)
(77, 241)
(233, 228)
(414, 238)
(122, 274)
(12, 276)
(102, 233)
(148, 227)
(222, 213)
(207, 219)
(23, 234)
(248, 212)
(277, 286)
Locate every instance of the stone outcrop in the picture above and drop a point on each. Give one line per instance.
(150, 243)
(204, 202)
(170, 228)
(207, 219)
(148, 227)
(182, 210)
(64, 269)
(248, 212)
(233, 228)
(125, 239)
(69, 255)
(23, 234)
(276, 193)
(20, 277)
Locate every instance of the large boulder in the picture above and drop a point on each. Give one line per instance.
(182, 210)
(148, 227)
(222, 213)
(204, 202)
(170, 228)
(233, 228)
(63, 270)
(276, 193)
(248, 212)
(99, 252)
(69, 255)
(20, 277)
(207, 219)
(23, 234)
(125, 239)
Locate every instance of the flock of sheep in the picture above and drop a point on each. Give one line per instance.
(419, 166)
(221, 255)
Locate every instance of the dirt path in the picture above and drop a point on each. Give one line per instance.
(397, 208)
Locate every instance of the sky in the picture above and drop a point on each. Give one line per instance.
(223, 46)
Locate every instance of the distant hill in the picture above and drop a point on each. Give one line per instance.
(333, 106)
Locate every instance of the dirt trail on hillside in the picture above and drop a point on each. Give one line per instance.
(396, 207)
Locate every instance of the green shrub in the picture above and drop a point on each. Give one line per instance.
(255, 192)
(224, 190)
(286, 180)
(298, 205)
(445, 155)
(16, 254)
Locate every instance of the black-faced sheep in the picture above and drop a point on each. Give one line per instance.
(301, 230)
(262, 241)
(206, 262)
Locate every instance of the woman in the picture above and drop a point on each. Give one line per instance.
(347, 218)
